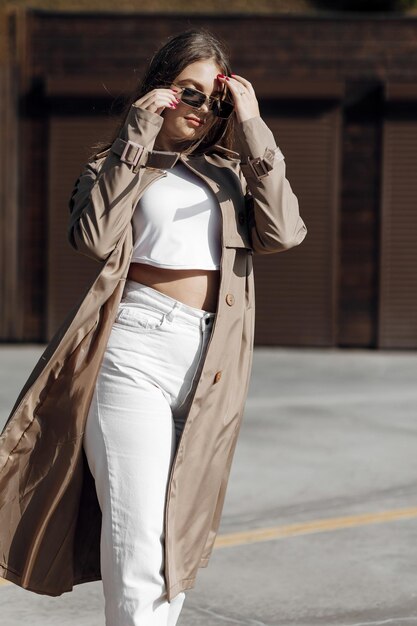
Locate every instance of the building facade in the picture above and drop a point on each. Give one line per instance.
(339, 95)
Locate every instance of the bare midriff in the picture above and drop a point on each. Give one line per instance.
(197, 287)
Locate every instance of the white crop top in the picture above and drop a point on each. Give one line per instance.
(177, 223)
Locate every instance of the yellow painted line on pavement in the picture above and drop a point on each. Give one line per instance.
(305, 528)
(315, 526)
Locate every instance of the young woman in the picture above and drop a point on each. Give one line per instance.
(150, 372)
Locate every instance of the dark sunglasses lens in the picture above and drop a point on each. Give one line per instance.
(196, 99)
(222, 109)
(192, 97)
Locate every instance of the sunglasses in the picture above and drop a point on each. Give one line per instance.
(196, 99)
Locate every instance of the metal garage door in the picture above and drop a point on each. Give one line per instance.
(69, 273)
(398, 249)
(296, 291)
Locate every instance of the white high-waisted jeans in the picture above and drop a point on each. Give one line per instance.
(144, 388)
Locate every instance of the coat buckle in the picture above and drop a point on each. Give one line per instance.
(128, 157)
(258, 167)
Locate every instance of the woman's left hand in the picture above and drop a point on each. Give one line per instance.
(244, 98)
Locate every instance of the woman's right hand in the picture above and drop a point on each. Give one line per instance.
(157, 99)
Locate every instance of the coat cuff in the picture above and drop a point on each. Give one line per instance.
(141, 126)
(257, 147)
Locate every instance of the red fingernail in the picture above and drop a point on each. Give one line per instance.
(221, 75)
(227, 78)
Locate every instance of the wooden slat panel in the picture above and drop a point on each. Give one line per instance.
(398, 251)
(11, 311)
(359, 215)
(33, 226)
(96, 86)
(69, 273)
(296, 289)
(401, 91)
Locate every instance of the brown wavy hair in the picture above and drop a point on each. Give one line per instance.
(179, 51)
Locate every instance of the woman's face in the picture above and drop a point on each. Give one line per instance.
(178, 123)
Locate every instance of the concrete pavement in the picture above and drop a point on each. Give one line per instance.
(320, 521)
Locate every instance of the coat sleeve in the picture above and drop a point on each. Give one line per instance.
(273, 212)
(101, 201)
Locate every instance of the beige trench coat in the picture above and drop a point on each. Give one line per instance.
(50, 519)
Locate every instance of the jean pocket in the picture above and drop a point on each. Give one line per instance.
(139, 318)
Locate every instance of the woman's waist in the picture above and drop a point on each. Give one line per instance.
(198, 288)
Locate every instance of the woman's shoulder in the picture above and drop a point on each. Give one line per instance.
(100, 156)
(223, 152)
(95, 162)
(224, 157)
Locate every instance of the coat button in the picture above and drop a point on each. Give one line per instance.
(230, 299)
(217, 377)
(241, 217)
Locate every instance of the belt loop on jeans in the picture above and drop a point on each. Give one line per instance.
(170, 316)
